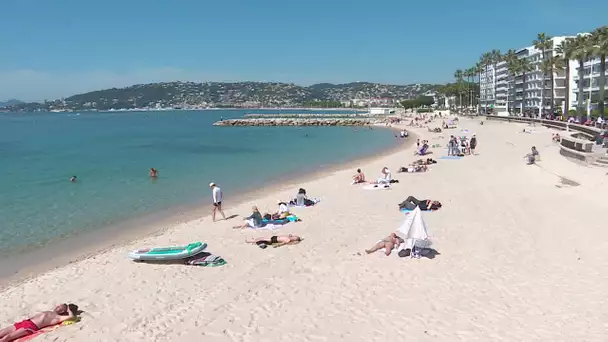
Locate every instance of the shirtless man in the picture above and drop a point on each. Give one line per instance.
(60, 314)
(276, 241)
(388, 243)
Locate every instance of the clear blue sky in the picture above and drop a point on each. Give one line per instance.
(57, 48)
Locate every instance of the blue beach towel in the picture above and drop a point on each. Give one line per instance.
(281, 221)
(450, 157)
(406, 210)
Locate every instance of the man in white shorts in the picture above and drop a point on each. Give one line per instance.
(217, 200)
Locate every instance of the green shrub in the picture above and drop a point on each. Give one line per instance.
(424, 110)
(572, 112)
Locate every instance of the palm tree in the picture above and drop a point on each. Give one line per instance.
(495, 57)
(564, 53)
(478, 69)
(486, 60)
(547, 66)
(470, 75)
(523, 66)
(458, 76)
(543, 43)
(581, 52)
(510, 58)
(599, 38)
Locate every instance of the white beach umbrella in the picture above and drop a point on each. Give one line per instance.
(414, 229)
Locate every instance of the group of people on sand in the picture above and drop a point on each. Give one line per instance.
(463, 146)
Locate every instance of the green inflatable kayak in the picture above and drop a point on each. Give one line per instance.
(168, 253)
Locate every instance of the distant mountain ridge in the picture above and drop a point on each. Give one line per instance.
(11, 102)
(234, 94)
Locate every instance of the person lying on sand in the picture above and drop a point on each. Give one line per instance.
(359, 177)
(388, 243)
(414, 168)
(427, 161)
(252, 221)
(412, 202)
(275, 241)
(61, 313)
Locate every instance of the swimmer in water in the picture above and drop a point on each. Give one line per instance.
(73, 179)
(153, 172)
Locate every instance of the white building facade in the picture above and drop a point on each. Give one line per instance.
(503, 93)
(590, 83)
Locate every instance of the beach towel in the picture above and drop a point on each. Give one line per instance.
(377, 187)
(47, 329)
(277, 222)
(450, 157)
(208, 260)
(406, 210)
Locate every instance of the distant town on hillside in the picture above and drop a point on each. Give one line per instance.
(191, 95)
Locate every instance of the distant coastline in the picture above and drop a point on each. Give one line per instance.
(236, 95)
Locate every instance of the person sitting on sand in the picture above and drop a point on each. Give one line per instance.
(556, 137)
(385, 177)
(253, 221)
(412, 202)
(533, 156)
(388, 243)
(359, 177)
(302, 199)
(275, 241)
(61, 313)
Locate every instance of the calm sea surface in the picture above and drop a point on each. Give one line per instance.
(111, 153)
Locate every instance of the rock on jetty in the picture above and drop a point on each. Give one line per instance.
(296, 122)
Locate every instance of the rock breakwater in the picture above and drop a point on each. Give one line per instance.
(297, 122)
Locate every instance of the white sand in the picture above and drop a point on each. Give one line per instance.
(520, 260)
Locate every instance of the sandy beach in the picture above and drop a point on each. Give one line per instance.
(521, 258)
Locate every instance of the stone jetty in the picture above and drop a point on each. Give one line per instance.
(297, 122)
(309, 115)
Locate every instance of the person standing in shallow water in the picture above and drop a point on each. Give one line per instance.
(73, 179)
(217, 200)
(153, 172)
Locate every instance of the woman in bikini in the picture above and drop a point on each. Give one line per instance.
(276, 240)
(388, 243)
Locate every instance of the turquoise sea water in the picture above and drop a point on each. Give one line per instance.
(111, 153)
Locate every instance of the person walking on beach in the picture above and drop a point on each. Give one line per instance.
(473, 144)
(217, 200)
(61, 313)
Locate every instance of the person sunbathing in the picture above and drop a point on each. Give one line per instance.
(252, 221)
(275, 241)
(414, 168)
(61, 313)
(359, 177)
(427, 161)
(388, 243)
(412, 202)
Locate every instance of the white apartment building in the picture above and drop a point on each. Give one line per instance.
(590, 83)
(506, 93)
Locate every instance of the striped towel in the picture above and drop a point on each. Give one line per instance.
(207, 260)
